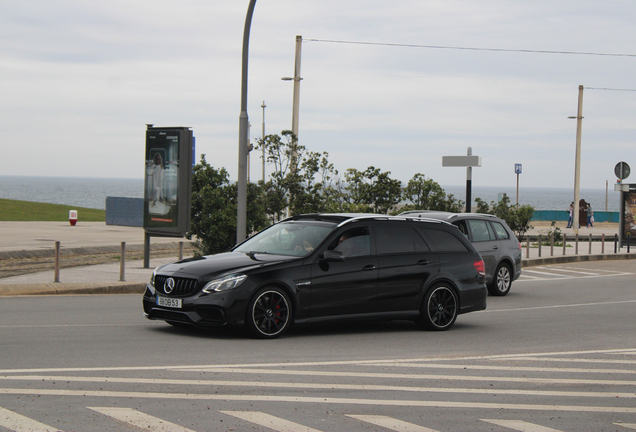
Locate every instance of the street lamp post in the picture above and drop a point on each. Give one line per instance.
(241, 205)
(263, 140)
(577, 163)
(296, 105)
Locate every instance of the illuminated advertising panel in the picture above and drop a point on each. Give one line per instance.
(168, 175)
(630, 214)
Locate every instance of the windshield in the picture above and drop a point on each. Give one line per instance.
(297, 238)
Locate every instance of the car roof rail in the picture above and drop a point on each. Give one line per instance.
(388, 217)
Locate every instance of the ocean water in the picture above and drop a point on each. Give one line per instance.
(73, 191)
(92, 192)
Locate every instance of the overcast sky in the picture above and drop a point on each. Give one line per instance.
(81, 79)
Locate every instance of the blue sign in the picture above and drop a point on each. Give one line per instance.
(517, 168)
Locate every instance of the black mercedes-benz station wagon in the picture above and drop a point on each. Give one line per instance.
(319, 267)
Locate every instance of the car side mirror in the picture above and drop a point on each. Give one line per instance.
(333, 255)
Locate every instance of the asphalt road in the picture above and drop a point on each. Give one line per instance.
(557, 354)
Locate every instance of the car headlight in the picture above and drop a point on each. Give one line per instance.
(151, 283)
(225, 283)
(152, 278)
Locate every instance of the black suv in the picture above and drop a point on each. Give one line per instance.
(320, 267)
(493, 239)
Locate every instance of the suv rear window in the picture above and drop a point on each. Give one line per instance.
(500, 231)
(442, 241)
(481, 230)
(390, 240)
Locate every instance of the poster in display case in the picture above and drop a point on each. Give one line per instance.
(168, 176)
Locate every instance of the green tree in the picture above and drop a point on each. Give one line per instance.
(426, 194)
(517, 216)
(370, 191)
(482, 206)
(213, 212)
(305, 187)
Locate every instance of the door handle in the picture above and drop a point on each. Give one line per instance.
(423, 262)
(495, 247)
(368, 267)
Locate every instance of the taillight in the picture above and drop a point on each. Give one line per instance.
(480, 267)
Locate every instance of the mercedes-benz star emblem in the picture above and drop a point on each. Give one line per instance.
(168, 286)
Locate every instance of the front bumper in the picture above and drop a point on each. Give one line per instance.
(201, 309)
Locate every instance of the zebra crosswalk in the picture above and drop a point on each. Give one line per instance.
(529, 392)
(559, 271)
(253, 419)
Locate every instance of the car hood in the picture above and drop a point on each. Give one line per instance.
(223, 263)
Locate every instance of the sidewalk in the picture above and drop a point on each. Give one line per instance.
(27, 237)
(28, 240)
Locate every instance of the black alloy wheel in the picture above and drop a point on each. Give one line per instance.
(502, 281)
(268, 313)
(439, 310)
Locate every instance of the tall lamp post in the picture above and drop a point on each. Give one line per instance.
(263, 140)
(296, 106)
(577, 162)
(241, 205)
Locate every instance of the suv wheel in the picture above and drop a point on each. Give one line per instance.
(501, 282)
(439, 309)
(269, 313)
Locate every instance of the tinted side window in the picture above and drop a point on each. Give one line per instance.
(420, 244)
(354, 242)
(391, 240)
(500, 230)
(443, 241)
(462, 227)
(480, 231)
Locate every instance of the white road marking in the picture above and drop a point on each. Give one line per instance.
(140, 420)
(563, 277)
(525, 276)
(597, 270)
(569, 271)
(318, 386)
(520, 426)
(546, 273)
(320, 363)
(390, 423)
(627, 425)
(557, 306)
(269, 421)
(70, 325)
(19, 423)
(507, 368)
(318, 400)
(421, 376)
(573, 360)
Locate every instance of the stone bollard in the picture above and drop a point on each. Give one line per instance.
(56, 274)
(122, 263)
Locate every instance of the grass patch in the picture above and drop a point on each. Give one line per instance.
(28, 211)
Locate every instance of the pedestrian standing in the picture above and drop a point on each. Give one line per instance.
(590, 216)
(570, 212)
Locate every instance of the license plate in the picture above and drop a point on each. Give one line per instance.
(169, 302)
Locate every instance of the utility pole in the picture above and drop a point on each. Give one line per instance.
(296, 103)
(241, 205)
(296, 111)
(263, 140)
(577, 163)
